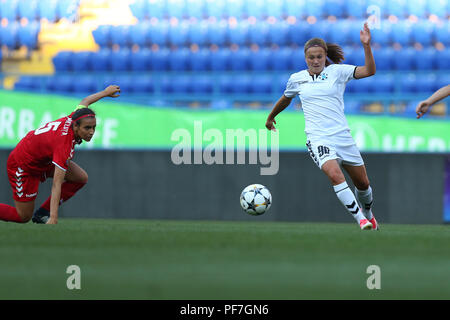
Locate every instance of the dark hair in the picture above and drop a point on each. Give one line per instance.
(334, 52)
(82, 113)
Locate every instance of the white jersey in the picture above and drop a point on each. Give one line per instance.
(322, 98)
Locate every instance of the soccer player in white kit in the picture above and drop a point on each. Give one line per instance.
(330, 144)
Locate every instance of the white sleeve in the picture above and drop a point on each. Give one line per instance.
(346, 72)
(292, 88)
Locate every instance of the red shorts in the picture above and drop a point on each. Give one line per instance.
(24, 185)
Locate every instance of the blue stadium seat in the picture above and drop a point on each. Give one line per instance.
(100, 60)
(156, 9)
(442, 80)
(235, 8)
(143, 84)
(423, 32)
(275, 8)
(178, 34)
(407, 83)
(404, 59)
(160, 60)
(9, 35)
(238, 34)
(396, 8)
(297, 60)
(260, 59)
(140, 60)
(443, 59)
(102, 35)
(315, 8)
(356, 56)
(179, 84)
(139, 9)
(159, 33)
(27, 9)
(261, 84)
(348, 55)
(60, 84)
(258, 33)
(383, 83)
(220, 59)
(119, 35)
(281, 59)
(299, 33)
(425, 59)
(384, 58)
(215, 8)
(62, 61)
(256, 8)
(126, 83)
(176, 8)
(353, 35)
(200, 60)
(240, 60)
(426, 83)
(85, 84)
(295, 8)
(417, 7)
(438, 8)
(442, 32)
(278, 34)
(356, 8)
(241, 84)
(202, 85)
(80, 61)
(198, 33)
(320, 30)
(382, 35)
(47, 10)
(27, 83)
(335, 8)
(120, 60)
(195, 9)
(339, 32)
(28, 35)
(361, 85)
(225, 84)
(8, 9)
(139, 34)
(401, 32)
(217, 33)
(179, 59)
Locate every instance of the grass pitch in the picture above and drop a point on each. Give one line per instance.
(209, 260)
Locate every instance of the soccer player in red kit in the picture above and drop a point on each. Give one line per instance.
(48, 152)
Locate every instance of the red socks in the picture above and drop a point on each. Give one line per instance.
(68, 189)
(8, 213)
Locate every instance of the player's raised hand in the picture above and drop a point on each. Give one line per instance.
(422, 108)
(269, 124)
(112, 91)
(364, 35)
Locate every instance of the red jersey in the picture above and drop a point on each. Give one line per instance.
(52, 144)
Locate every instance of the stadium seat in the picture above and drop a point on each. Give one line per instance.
(220, 59)
(425, 59)
(443, 59)
(281, 59)
(261, 84)
(9, 35)
(260, 59)
(200, 60)
(140, 60)
(62, 60)
(299, 33)
(356, 9)
(417, 8)
(256, 8)
(198, 33)
(353, 34)
(238, 34)
(442, 32)
(202, 85)
(143, 84)
(295, 8)
(401, 32)
(320, 30)
(139, 34)
(404, 59)
(438, 8)
(217, 33)
(160, 60)
(8, 9)
(60, 84)
(240, 60)
(241, 84)
(28, 35)
(27, 83)
(278, 34)
(159, 33)
(407, 83)
(86, 84)
(442, 80)
(423, 32)
(139, 9)
(384, 58)
(235, 8)
(281, 82)
(179, 59)
(120, 60)
(46, 9)
(396, 8)
(156, 9)
(335, 8)
(215, 8)
(195, 9)
(178, 34)
(178, 84)
(356, 56)
(315, 8)
(100, 60)
(361, 85)
(297, 60)
(119, 35)
(79, 61)
(176, 8)
(383, 83)
(426, 83)
(258, 33)
(102, 35)
(225, 84)
(275, 8)
(27, 9)
(382, 35)
(339, 32)
(126, 83)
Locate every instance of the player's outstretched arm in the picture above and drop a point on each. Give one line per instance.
(58, 179)
(424, 105)
(369, 67)
(281, 104)
(111, 91)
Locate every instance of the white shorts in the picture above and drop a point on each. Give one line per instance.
(341, 147)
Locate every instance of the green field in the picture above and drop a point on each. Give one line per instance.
(146, 259)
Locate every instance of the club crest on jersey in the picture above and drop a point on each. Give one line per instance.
(323, 76)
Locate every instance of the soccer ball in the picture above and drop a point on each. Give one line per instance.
(256, 199)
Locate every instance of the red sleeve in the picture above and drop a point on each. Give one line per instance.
(62, 153)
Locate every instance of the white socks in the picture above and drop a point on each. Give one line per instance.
(365, 198)
(347, 198)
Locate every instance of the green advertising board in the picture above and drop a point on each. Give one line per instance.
(128, 126)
